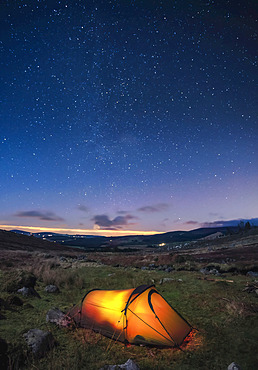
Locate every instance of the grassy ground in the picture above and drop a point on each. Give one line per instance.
(226, 318)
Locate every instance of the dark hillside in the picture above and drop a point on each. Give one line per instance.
(13, 241)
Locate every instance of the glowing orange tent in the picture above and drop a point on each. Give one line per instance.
(139, 316)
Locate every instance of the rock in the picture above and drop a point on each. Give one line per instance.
(234, 366)
(204, 271)
(82, 258)
(166, 280)
(14, 300)
(152, 266)
(57, 317)
(62, 259)
(168, 269)
(214, 272)
(51, 289)
(252, 274)
(39, 341)
(144, 268)
(128, 365)
(3, 354)
(26, 292)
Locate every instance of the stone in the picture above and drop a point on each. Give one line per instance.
(204, 271)
(14, 300)
(252, 274)
(166, 280)
(168, 269)
(57, 317)
(63, 259)
(82, 258)
(152, 266)
(234, 366)
(207, 271)
(39, 341)
(214, 272)
(128, 365)
(28, 291)
(51, 289)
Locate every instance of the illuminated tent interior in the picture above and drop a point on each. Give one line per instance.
(137, 316)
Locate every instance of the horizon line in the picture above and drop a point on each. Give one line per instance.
(98, 232)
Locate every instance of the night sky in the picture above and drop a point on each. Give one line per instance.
(128, 115)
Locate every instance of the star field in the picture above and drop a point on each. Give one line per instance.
(128, 115)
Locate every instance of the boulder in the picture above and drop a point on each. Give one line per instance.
(39, 341)
(57, 317)
(28, 291)
(128, 365)
(51, 289)
(234, 366)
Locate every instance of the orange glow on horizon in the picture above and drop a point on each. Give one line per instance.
(98, 232)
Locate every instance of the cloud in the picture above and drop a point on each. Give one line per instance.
(192, 223)
(44, 216)
(104, 222)
(83, 208)
(154, 208)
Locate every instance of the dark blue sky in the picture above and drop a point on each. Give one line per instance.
(128, 115)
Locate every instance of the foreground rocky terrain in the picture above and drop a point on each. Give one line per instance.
(212, 283)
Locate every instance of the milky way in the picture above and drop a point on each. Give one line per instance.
(128, 115)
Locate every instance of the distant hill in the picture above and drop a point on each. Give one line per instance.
(91, 241)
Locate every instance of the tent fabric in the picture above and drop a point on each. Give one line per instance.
(137, 316)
